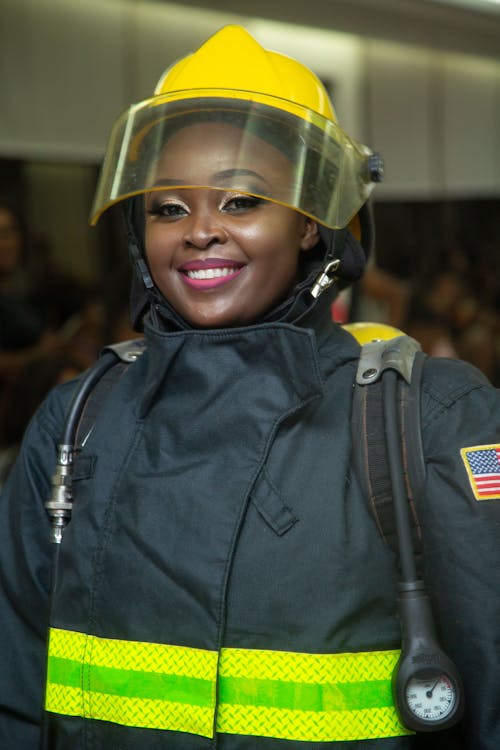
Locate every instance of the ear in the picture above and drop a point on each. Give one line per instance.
(310, 235)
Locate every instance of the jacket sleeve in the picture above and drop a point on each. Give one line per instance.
(25, 574)
(461, 537)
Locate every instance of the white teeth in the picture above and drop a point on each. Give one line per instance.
(210, 273)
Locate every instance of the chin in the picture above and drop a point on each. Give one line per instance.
(217, 320)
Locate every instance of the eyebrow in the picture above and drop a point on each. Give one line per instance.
(168, 181)
(227, 173)
(218, 177)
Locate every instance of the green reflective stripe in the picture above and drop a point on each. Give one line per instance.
(285, 695)
(296, 696)
(131, 684)
(64, 672)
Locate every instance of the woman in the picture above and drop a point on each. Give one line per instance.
(221, 582)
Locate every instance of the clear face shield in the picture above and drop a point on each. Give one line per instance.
(297, 158)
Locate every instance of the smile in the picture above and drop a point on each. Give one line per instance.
(211, 273)
(209, 277)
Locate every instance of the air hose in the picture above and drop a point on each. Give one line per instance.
(427, 689)
(60, 503)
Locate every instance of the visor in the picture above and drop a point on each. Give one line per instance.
(327, 174)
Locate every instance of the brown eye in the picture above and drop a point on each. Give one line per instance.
(240, 203)
(168, 210)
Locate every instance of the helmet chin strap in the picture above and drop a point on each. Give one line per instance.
(344, 261)
(143, 293)
(133, 243)
(326, 278)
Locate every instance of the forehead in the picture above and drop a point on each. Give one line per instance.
(206, 152)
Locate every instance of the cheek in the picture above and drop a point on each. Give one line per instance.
(158, 246)
(280, 234)
(279, 244)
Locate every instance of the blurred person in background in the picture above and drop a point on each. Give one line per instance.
(22, 329)
(45, 314)
(38, 303)
(454, 312)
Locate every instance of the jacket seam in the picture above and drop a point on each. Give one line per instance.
(443, 405)
(104, 537)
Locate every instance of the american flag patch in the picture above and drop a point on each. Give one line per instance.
(482, 463)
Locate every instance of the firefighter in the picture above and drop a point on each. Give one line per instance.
(221, 582)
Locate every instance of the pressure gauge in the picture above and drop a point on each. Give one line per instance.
(431, 698)
(427, 689)
(428, 699)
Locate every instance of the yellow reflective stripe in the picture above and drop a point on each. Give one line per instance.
(67, 644)
(309, 726)
(285, 695)
(64, 699)
(132, 712)
(314, 668)
(137, 655)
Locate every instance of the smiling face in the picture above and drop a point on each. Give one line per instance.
(222, 257)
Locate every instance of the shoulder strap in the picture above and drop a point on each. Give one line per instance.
(127, 352)
(402, 354)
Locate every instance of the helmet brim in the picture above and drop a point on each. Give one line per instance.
(329, 178)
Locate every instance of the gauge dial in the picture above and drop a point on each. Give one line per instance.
(430, 698)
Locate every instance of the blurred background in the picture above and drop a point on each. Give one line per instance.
(416, 80)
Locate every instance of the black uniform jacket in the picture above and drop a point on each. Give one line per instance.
(216, 508)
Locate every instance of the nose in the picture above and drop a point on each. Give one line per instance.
(204, 229)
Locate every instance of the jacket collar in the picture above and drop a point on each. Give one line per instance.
(297, 307)
(302, 340)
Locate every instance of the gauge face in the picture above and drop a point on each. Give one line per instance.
(430, 698)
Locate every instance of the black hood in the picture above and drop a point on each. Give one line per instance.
(333, 243)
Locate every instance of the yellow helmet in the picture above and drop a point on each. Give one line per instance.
(231, 78)
(261, 73)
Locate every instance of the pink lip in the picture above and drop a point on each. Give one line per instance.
(201, 265)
